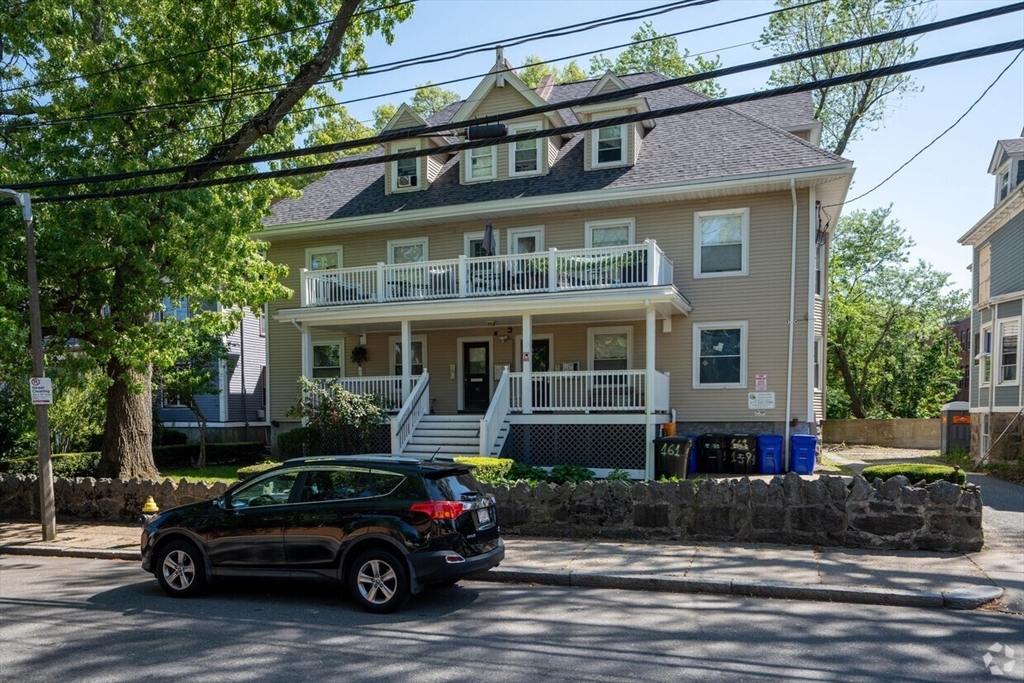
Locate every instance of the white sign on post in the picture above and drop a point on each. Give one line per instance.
(761, 400)
(41, 390)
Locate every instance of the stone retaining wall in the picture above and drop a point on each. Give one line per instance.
(823, 511)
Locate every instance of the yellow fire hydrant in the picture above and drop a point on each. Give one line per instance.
(150, 508)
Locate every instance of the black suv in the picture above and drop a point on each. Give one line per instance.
(384, 526)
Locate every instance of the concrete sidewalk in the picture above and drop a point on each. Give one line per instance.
(916, 579)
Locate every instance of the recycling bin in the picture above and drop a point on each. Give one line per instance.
(671, 456)
(713, 451)
(693, 453)
(769, 454)
(743, 453)
(802, 449)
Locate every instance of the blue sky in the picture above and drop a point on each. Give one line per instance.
(937, 198)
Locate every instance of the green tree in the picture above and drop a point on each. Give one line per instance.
(845, 111)
(428, 100)
(653, 51)
(534, 71)
(195, 373)
(888, 353)
(79, 406)
(107, 87)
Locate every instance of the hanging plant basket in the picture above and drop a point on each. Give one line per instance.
(359, 355)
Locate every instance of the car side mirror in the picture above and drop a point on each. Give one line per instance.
(223, 502)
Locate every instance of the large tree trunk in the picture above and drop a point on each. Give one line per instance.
(201, 462)
(128, 433)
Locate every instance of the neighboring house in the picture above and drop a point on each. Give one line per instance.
(997, 240)
(961, 329)
(641, 273)
(238, 412)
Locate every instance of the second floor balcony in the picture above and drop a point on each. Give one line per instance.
(633, 265)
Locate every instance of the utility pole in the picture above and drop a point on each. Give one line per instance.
(46, 506)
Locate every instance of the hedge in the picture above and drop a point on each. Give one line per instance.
(250, 470)
(487, 469)
(242, 452)
(915, 472)
(67, 465)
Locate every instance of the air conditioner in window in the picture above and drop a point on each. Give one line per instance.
(261, 414)
(405, 181)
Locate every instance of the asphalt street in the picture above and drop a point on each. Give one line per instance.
(100, 620)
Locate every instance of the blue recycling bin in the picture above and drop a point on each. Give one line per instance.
(802, 448)
(692, 466)
(769, 454)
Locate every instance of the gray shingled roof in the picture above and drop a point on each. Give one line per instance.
(1014, 146)
(719, 142)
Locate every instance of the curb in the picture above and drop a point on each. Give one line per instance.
(960, 598)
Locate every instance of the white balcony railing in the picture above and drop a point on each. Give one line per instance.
(590, 391)
(388, 388)
(632, 265)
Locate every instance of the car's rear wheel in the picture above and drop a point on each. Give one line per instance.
(180, 569)
(378, 581)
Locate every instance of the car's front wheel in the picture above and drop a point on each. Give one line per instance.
(180, 569)
(378, 581)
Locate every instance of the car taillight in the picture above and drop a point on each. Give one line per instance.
(440, 509)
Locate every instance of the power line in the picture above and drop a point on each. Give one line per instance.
(192, 53)
(551, 132)
(936, 138)
(531, 111)
(269, 88)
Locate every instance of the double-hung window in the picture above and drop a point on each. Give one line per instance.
(418, 356)
(327, 360)
(609, 146)
(482, 163)
(985, 355)
(1009, 348)
(1004, 183)
(407, 171)
(720, 355)
(721, 243)
(524, 155)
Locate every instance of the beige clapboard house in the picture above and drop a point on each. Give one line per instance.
(634, 275)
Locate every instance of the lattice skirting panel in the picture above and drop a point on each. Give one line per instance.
(610, 446)
(336, 443)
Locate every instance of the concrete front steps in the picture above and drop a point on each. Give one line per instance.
(448, 435)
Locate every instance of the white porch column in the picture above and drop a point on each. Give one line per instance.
(406, 360)
(307, 352)
(527, 387)
(649, 388)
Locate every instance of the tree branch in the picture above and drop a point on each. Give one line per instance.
(266, 121)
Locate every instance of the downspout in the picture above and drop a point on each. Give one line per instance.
(792, 329)
(241, 363)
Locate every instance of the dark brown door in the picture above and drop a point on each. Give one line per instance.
(476, 376)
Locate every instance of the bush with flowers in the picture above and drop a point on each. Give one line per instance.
(341, 417)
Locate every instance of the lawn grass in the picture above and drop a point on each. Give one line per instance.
(830, 466)
(212, 474)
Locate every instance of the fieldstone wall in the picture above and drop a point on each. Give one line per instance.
(824, 511)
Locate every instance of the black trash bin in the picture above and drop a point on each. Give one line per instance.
(713, 453)
(743, 453)
(671, 456)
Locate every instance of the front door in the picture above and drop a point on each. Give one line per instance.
(476, 376)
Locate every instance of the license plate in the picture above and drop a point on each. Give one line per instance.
(483, 516)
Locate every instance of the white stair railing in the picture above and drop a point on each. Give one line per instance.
(404, 424)
(494, 418)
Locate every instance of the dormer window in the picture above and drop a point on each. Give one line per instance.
(407, 171)
(483, 163)
(1003, 184)
(609, 146)
(524, 155)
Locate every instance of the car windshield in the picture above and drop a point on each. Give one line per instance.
(456, 486)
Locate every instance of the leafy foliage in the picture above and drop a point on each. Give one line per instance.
(298, 443)
(916, 472)
(331, 409)
(845, 111)
(76, 416)
(17, 426)
(100, 75)
(533, 72)
(428, 100)
(252, 470)
(485, 469)
(618, 475)
(889, 355)
(573, 474)
(67, 465)
(653, 51)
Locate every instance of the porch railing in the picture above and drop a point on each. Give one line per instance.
(404, 423)
(387, 388)
(631, 265)
(590, 391)
(490, 423)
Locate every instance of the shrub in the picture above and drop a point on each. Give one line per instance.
(251, 470)
(573, 474)
(298, 443)
(489, 470)
(172, 437)
(528, 473)
(244, 452)
(333, 410)
(915, 472)
(67, 465)
(618, 475)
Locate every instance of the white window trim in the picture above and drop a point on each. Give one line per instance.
(541, 148)
(819, 360)
(393, 355)
(514, 233)
(340, 343)
(469, 237)
(593, 331)
(623, 136)
(406, 146)
(589, 227)
(697, 216)
(1006, 170)
(470, 178)
(322, 250)
(425, 241)
(997, 343)
(742, 326)
(982, 382)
